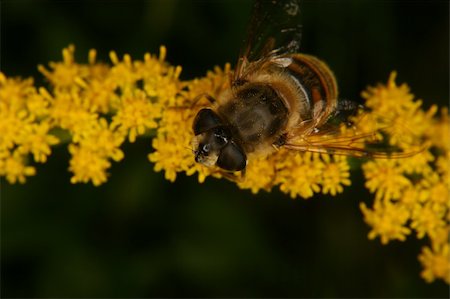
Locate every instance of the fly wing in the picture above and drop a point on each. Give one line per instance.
(358, 133)
(362, 145)
(274, 31)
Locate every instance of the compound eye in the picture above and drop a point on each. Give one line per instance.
(221, 136)
(232, 158)
(220, 140)
(205, 120)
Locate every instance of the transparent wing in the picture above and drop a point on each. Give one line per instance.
(274, 30)
(359, 133)
(359, 145)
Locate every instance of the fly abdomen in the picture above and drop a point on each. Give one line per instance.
(317, 82)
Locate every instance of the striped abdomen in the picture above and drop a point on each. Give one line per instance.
(318, 84)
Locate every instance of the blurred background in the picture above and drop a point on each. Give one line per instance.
(141, 236)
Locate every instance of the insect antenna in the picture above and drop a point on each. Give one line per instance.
(189, 148)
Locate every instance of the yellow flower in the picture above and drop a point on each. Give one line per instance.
(67, 112)
(440, 131)
(299, 174)
(436, 263)
(385, 178)
(23, 130)
(393, 107)
(19, 95)
(411, 193)
(336, 174)
(443, 166)
(167, 157)
(438, 195)
(389, 100)
(92, 150)
(63, 75)
(254, 180)
(104, 140)
(11, 126)
(172, 145)
(417, 164)
(426, 220)
(387, 221)
(87, 165)
(37, 141)
(13, 167)
(123, 73)
(413, 196)
(136, 114)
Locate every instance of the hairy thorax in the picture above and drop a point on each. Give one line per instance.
(257, 116)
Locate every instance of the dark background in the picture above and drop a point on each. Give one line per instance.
(141, 236)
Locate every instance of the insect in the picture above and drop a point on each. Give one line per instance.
(277, 98)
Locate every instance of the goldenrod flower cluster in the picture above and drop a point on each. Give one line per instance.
(95, 107)
(412, 194)
(24, 128)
